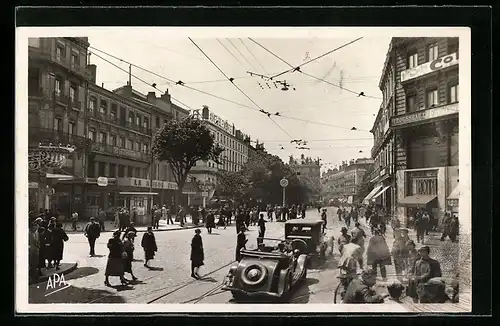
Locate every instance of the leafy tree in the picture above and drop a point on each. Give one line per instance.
(182, 144)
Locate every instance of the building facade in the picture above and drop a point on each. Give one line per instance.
(309, 172)
(235, 155)
(343, 183)
(424, 123)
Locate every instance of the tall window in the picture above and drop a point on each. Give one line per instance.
(453, 93)
(130, 171)
(176, 115)
(103, 108)
(137, 146)
(102, 137)
(157, 122)
(112, 170)
(59, 53)
(137, 172)
(145, 123)
(121, 171)
(129, 144)
(102, 169)
(58, 87)
(145, 148)
(122, 142)
(112, 113)
(412, 59)
(74, 60)
(92, 134)
(138, 120)
(411, 103)
(72, 93)
(71, 128)
(112, 140)
(92, 105)
(58, 124)
(432, 97)
(432, 52)
(130, 119)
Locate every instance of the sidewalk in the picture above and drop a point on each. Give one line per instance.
(109, 226)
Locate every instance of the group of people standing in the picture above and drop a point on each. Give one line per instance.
(45, 243)
(414, 267)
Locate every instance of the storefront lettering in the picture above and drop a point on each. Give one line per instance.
(426, 68)
(425, 115)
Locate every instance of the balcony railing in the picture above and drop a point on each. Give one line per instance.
(46, 135)
(122, 152)
(114, 120)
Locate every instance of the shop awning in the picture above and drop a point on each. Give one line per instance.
(131, 193)
(417, 200)
(380, 192)
(370, 195)
(455, 194)
(60, 176)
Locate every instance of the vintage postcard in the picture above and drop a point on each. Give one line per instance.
(243, 170)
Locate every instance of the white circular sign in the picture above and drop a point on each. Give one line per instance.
(284, 182)
(102, 181)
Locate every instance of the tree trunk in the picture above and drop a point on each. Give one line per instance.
(178, 193)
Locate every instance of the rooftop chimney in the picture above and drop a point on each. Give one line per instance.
(165, 97)
(151, 97)
(205, 112)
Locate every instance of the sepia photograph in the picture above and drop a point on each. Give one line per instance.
(243, 169)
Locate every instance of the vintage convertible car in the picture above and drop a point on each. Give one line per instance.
(269, 271)
(307, 236)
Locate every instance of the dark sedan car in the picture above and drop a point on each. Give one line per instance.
(267, 272)
(308, 237)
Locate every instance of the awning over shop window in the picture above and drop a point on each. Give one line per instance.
(455, 194)
(60, 176)
(131, 193)
(370, 195)
(417, 200)
(380, 192)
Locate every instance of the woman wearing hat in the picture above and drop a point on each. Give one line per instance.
(114, 267)
(197, 255)
(210, 221)
(128, 248)
(241, 242)
(344, 238)
(148, 243)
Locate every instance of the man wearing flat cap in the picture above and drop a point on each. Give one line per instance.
(92, 232)
(360, 290)
(425, 269)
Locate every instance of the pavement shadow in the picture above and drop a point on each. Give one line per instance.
(98, 256)
(81, 272)
(213, 233)
(158, 269)
(328, 265)
(74, 294)
(122, 287)
(302, 293)
(208, 279)
(138, 260)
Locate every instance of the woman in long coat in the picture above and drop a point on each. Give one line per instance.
(378, 253)
(148, 243)
(128, 247)
(210, 221)
(114, 267)
(57, 244)
(197, 255)
(241, 242)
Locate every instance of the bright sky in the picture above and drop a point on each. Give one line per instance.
(356, 66)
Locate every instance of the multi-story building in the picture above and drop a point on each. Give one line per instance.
(343, 183)
(309, 172)
(235, 144)
(424, 122)
(57, 76)
(112, 164)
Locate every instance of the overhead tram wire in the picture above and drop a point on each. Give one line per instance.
(203, 92)
(246, 47)
(318, 57)
(234, 46)
(309, 75)
(138, 78)
(231, 53)
(232, 82)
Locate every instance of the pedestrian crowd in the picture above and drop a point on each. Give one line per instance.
(418, 276)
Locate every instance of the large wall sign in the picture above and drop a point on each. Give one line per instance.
(423, 115)
(428, 67)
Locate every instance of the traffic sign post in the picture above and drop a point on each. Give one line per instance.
(284, 184)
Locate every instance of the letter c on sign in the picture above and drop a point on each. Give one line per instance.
(434, 64)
